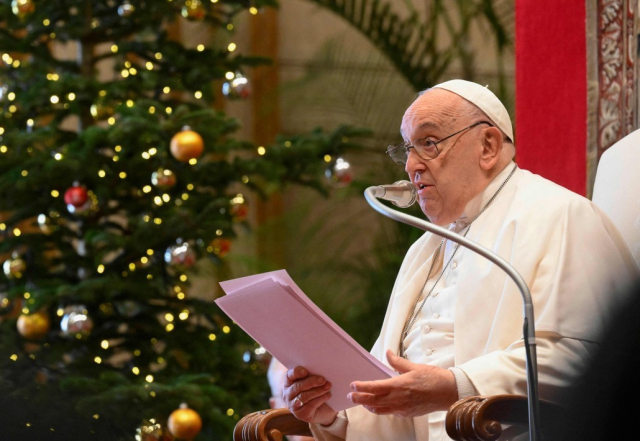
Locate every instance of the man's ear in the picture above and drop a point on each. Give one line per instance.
(491, 147)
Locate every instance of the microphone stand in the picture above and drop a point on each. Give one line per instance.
(529, 326)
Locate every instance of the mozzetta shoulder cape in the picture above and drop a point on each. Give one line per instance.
(575, 263)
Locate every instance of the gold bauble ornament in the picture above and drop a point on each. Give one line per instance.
(184, 423)
(34, 326)
(22, 8)
(186, 145)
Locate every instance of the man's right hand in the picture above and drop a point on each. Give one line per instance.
(305, 395)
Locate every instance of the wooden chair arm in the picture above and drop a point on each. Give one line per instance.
(269, 425)
(481, 418)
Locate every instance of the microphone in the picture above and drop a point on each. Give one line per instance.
(401, 194)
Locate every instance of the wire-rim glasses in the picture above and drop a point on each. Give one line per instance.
(426, 148)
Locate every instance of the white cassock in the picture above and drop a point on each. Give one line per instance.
(575, 263)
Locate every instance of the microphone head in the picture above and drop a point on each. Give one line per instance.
(409, 195)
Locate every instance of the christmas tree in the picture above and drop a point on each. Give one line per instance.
(110, 191)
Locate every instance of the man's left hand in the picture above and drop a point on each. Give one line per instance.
(420, 389)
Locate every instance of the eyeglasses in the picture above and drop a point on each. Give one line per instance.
(426, 148)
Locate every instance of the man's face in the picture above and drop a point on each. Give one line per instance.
(447, 183)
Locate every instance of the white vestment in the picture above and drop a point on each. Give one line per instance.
(572, 258)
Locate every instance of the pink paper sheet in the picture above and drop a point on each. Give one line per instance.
(277, 314)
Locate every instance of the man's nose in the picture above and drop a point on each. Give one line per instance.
(414, 162)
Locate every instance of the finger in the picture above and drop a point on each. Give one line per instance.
(311, 394)
(307, 411)
(295, 374)
(368, 399)
(378, 387)
(303, 385)
(400, 364)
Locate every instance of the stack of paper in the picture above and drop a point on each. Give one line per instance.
(278, 315)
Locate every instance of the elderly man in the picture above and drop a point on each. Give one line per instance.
(453, 327)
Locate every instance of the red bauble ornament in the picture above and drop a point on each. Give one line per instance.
(76, 195)
(220, 247)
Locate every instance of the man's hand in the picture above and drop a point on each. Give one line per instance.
(420, 389)
(305, 396)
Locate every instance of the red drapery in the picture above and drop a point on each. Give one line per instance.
(551, 90)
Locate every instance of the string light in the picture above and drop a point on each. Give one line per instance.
(104, 344)
(55, 193)
(98, 360)
(253, 10)
(14, 357)
(226, 329)
(157, 221)
(193, 161)
(153, 151)
(218, 232)
(71, 96)
(287, 143)
(115, 158)
(327, 158)
(166, 197)
(168, 110)
(100, 269)
(114, 48)
(180, 296)
(17, 232)
(55, 99)
(135, 370)
(118, 148)
(200, 47)
(13, 108)
(158, 56)
(111, 121)
(2, 228)
(150, 252)
(152, 110)
(145, 155)
(183, 278)
(167, 89)
(230, 412)
(230, 27)
(11, 96)
(122, 175)
(129, 103)
(46, 22)
(212, 337)
(261, 150)
(102, 173)
(149, 65)
(231, 47)
(3, 149)
(190, 187)
(184, 315)
(133, 71)
(58, 156)
(146, 188)
(169, 327)
(198, 94)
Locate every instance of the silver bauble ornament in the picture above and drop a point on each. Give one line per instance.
(180, 256)
(48, 223)
(237, 87)
(339, 172)
(76, 322)
(126, 9)
(14, 267)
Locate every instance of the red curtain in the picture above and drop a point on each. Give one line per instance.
(551, 90)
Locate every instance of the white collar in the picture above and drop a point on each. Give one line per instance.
(476, 204)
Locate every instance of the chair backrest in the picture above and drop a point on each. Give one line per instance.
(617, 189)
